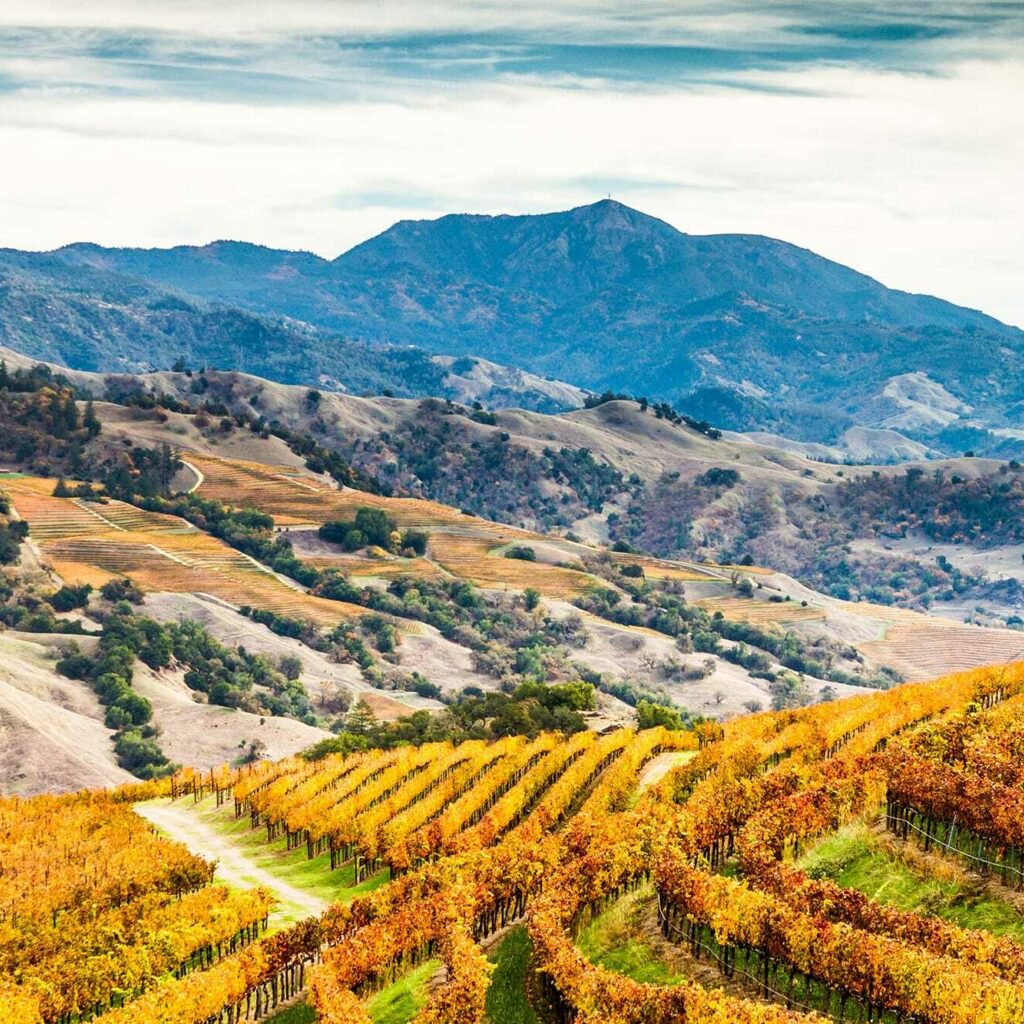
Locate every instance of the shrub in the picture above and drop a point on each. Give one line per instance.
(650, 715)
(717, 476)
(415, 540)
(372, 526)
(68, 598)
(522, 552)
(121, 590)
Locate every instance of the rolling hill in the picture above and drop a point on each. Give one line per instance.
(619, 473)
(706, 637)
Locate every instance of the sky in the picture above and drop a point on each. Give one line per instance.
(887, 135)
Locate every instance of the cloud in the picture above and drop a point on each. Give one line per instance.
(886, 136)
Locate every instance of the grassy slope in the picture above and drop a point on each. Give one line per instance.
(399, 1002)
(507, 1002)
(396, 1003)
(855, 858)
(616, 940)
(301, 1013)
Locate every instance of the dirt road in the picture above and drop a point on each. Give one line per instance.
(234, 867)
(658, 767)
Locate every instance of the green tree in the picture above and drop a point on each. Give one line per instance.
(67, 598)
(376, 525)
(361, 721)
(90, 420)
(291, 666)
(649, 715)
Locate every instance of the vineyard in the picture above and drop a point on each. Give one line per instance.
(437, 850)
(760, 612)
(461, 545)
(93, 541)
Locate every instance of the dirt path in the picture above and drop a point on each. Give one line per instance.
(658, 767)
(200, 477)
(234, 867)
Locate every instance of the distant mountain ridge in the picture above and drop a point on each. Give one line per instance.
(750, 332)
(83, 315)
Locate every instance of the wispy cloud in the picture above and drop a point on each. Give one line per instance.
(884, 134)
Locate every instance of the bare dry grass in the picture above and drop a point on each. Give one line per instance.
(744, 609)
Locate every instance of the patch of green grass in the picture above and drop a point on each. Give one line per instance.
(300, 1013)
(614, 939)
(399, 1002)
(291, 866)
(853, 858)
(506, 998)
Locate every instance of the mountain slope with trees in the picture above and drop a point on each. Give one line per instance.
(93, 318)
(746, 331)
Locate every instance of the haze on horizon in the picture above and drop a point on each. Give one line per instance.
(888, 136)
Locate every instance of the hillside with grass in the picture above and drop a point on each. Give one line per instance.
(932, 536)
(325, 602)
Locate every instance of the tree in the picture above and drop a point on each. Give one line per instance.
(522, 552)
(415, 541)
(257, 750)
(291, 666)
(376, 525)
(121, 590)
(90, 420)
(67, 598)
(372, 526)
(650, 715)
(138, 709)
(361, 720)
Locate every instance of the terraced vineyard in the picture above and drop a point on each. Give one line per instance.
(379, 568)
(90, 542)
(760, 612)
(304, 498)
(435, 849)
(471, 558)
(93, 541)
(919, 650)
(460, 545)
(659, 569)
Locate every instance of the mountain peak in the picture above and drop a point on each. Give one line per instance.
(605, 207)
(611, 212)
